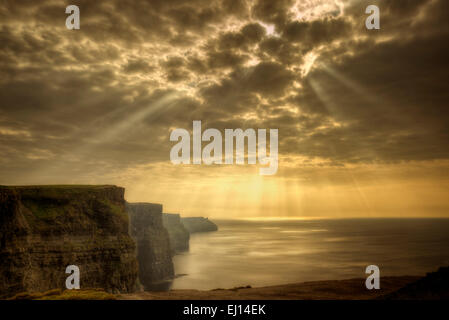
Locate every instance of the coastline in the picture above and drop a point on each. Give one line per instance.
(349, 289)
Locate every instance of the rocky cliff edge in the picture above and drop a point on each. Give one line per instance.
(43, 229)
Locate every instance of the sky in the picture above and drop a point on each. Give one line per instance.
(362, 114)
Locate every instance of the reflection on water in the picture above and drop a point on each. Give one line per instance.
(277, 252)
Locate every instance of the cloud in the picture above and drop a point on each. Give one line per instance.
(313, 33)
(367, 97)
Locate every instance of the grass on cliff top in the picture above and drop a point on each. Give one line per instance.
(45, 210)
(46, 201)
(58, 294)
(42, 210)
(55, 191)
(116, 210)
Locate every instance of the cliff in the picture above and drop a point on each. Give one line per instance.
(153, 244)
(179, 236)
(43, 229)
(198, 224)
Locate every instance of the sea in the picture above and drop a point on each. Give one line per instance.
(273, 252)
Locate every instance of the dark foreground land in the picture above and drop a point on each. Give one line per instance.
(351, 289)
(433, 286)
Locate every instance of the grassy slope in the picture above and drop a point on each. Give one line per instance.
(58, 294)
(351, 289)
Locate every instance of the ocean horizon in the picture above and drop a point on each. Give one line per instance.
(274, 252)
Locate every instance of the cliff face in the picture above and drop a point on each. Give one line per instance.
(179, 236)
(198, 224)
(43, 229)
(153, 244)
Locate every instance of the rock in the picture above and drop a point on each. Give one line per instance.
(179, 236)
(434, 286)
(43, 229)
(198, 224)
(153, 244)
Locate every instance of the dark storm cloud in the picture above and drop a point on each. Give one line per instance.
(249, 34)
(109, 93)
(388, 111)
(225, 59)
(137, 65)
(174, 69)
(238, 91)
(275, 12)
(281, 50)
(238, 8)
(316, 32)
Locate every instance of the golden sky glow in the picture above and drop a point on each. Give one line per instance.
(362, 115)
